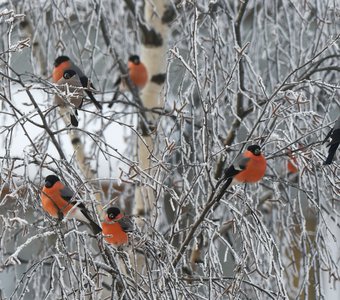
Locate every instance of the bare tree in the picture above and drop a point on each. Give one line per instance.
(222, 75)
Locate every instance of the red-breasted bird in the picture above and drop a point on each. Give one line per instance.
(137, 73)
(292, 163)
(334, 134)
(116, 226)
(63, 63)
(58, 201)
(249, 167)
(71, 79)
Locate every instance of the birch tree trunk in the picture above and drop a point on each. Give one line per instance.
(157, 15)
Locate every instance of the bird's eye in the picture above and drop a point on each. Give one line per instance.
(257, 152)
(111, 216)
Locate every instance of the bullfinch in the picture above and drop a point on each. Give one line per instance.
(249, 167)
(116, 226)
(71, 79)
(63, 63)
(137, 73)
(58, 201)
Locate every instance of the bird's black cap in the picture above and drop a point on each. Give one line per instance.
(255, 149)
(60, 59)
(113, 212)
(50, 180)
(134, 59)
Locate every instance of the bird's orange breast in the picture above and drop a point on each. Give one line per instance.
(291, 166)
(58, 72)
(114, 233)
(52, 202)
(138, 74)
(292, 163)
(255, 170)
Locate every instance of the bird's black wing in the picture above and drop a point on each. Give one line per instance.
(74, 120)
(328, 136)
(231, 172)
(66, 193)
(126, 224)
(333, 146)
(334, 133)
(116, 92)
(239, 164)
(94, 226)
(335, 137)
(84, 82)
(331, 153)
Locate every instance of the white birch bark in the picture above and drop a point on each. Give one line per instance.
(154, 58)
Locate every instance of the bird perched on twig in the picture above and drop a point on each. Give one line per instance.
(58, 201)
(137, 73)
(63, 63)
(74, 87)
(116, 226)
(249, 167)
(292, 163)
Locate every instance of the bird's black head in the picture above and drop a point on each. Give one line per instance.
(255, 149)
(60, 59)
(50, 180)
(113, 212)
(134, 59)
(68, 74)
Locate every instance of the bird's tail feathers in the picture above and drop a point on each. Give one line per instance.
(95, 227)
(230, 181)
(68, 115)
(331, 153)
(74, 120)
(114, 98)
(93, 99)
